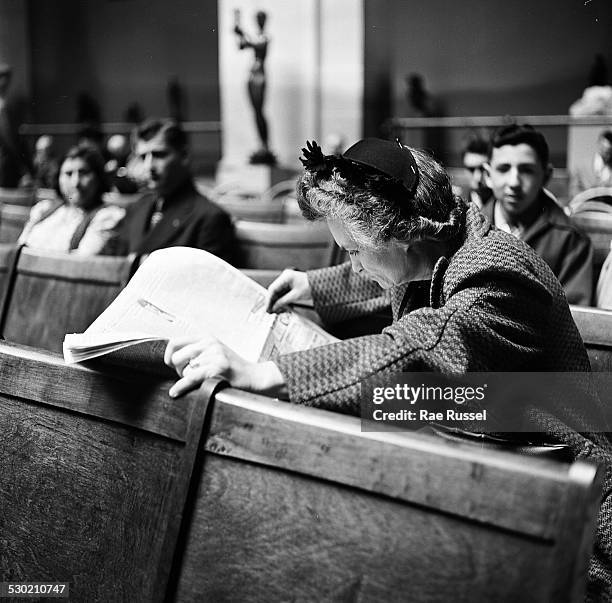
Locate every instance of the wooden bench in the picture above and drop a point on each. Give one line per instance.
(9, 253)
(595, 328)
(592, 213)
(95, 472)
(282, 502)
(296, 503)
(277, 246)
(54, 294)
(18, 196)
(12, 220)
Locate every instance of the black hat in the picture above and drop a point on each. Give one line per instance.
(389, 161)
(389, 158)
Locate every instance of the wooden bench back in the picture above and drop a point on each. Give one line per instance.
(595, 326)
(277, 246)
(95, 474)
(12, 220)
(296, 503)
(55, 294)
(18, 196)
(107, 480)
(598, 226)
(9, 253)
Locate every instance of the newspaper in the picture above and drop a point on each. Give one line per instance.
(181, 291)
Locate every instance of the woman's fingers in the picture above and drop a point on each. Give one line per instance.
(192, 380)
(290, 287)
(174, 345)
(180, 352)
(277, 289)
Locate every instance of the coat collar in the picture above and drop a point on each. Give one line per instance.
(551, 215)
(414, 295)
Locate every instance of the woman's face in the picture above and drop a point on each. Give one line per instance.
(78, 183)
(394, 264)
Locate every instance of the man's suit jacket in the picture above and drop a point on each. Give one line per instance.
(188, 220)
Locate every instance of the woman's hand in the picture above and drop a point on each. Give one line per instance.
(291, 286)
(197, 360)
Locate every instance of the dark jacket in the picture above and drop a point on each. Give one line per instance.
(493, 305)
(565, 248)
(188, 220)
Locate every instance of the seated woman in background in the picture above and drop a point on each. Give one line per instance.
(464, 297)
(78, 221)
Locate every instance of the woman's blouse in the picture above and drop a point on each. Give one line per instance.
(55, 231)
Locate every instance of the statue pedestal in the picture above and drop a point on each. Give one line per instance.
(251, 180)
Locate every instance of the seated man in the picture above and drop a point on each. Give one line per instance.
(518, 173)
(475, 156)
(173, 213)
(599, 172)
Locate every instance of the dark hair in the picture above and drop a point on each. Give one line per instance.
(515, 134)
(93, 158)
(373, 218)
(476, 144)
(174, 135)
(607, 134)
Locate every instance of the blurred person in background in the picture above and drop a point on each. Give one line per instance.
(118, 150)
(15, 161)
(518, 172)
(172, 212)
(475, 157)
(599, 172)
(46, 165)
(76, 221)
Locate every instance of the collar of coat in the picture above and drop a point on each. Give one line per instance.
(409, 296)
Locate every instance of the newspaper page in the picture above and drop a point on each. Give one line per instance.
(181, 291)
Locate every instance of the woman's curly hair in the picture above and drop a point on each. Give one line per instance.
(433, 212)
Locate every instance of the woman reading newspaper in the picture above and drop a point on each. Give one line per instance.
(464, 297)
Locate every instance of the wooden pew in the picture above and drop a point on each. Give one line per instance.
(54, 294)
(12, 220)
(296, 503)
(95, 474)
(594, 217)
(101, 472)
(595, 326)
(18, 196)
(277, 246)
(9, 253)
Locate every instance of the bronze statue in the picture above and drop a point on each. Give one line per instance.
(257, 81)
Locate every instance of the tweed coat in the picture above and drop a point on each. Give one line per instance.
(189, 220)
(493, 305)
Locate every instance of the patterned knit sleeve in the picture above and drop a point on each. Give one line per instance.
(340, 294)
(478, 329)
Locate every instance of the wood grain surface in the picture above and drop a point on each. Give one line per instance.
(55, 294)
(92, 493)
(297, 504)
